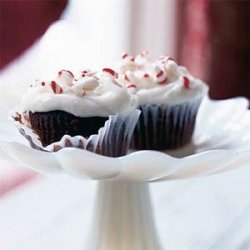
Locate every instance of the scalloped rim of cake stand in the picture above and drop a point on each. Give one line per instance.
(153, 165)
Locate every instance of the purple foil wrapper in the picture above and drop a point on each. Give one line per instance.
(112, 140)
(163, 127)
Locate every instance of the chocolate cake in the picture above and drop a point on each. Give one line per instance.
(91, 111)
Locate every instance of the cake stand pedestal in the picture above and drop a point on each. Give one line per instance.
(123, 218)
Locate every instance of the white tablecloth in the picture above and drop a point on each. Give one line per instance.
(53, 213)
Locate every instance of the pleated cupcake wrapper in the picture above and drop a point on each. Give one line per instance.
(165, 126)
(112, 140)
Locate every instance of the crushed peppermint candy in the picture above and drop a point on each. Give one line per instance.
(60, 73)
(84, 85)
(90, 83)
(124, 56)
(84, 73)
(130, 76)
(109, 71)
(127, 56)
(132, 89)
(186, 82)
(165, 59)
(164, 81)
(160, 75)
(56, 88)
(126, 78)
(65, 78)
(131, 86)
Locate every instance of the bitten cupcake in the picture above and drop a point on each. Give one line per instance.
(168, 97)
(91, 112)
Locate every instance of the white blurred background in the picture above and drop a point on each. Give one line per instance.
(95, 34)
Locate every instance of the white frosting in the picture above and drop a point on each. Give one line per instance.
(172, 93)
(89, 95)
(159, 82)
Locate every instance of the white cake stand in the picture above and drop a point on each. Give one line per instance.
(123, 218)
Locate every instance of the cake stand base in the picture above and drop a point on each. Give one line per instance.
(123, 218)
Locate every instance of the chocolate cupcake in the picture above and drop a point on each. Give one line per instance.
(91, 112)
(168, 97)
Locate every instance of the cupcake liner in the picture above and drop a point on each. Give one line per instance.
(52, 126)
(163, 127)
(113, 139)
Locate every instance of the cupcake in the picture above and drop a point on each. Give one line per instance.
(168, 97)
(91, 111)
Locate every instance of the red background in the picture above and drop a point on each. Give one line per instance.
(22, 22)
(214, 44)
(213, 38)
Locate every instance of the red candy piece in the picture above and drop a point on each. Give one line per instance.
(163, 59)
(43, 83)
(70, 73)
(159, 74)
(60, 72)
(146, 75)
(132, 86)
(126, 78)
(124, 56)
(84, 73)
(56, 88)
(164, 81)
(186, 82)
(110, 71)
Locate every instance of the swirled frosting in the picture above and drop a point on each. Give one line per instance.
(89, 94)
(161, 81)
